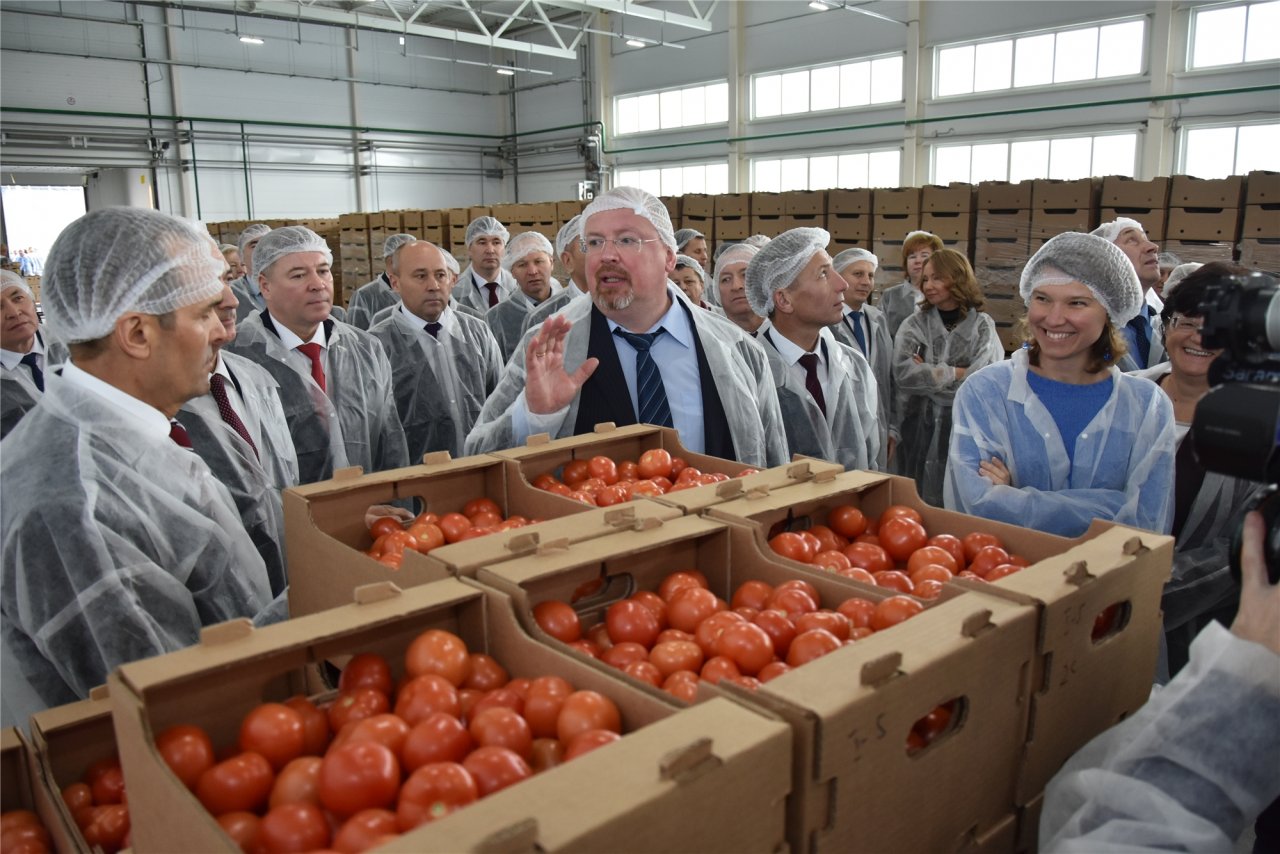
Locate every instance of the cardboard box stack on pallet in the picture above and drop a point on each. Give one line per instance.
(1204, 218)
(849, 219)
(896, 213)
(1001, 246)
(1259, 246)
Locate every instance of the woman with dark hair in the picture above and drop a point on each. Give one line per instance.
(948, 337)
(1056, 436)
(1207, 507)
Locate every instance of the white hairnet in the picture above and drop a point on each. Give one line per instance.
(850, 256)
(692, 264)
(1179, 273)
(117, 260)
(1168, 259)
(570, 231)
(917, 233)
(486, 226)
(757, 240)
(394, 242)
(287, 241)
(684, 235)
(450, 261)
(641, 204)
(251, 233)
(776, 266)
(1111, 230)
(525, 244)
(10, 279)
(738, 253)
(1093, 261)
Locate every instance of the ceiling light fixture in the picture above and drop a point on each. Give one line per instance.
(635, 43)
(819, 5)
(506, 72)
(402, 40)
(251, 40)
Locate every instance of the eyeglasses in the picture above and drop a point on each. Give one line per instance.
(625, 245)
(1186, 324)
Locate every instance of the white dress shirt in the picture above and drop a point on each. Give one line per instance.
(150, 421)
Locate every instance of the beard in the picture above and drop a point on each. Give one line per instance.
(614, 302)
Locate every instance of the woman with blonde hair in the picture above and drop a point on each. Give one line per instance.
(899, 301)
(947, 338)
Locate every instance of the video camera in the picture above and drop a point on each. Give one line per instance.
(1236, 429)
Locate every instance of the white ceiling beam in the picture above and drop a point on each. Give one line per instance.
(632, 9)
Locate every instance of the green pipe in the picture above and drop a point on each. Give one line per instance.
(244, 156)
(195, 168)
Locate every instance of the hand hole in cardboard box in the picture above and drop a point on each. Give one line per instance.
(937, 725)
(1111, 621)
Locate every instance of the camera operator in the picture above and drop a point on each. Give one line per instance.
(1208, 505)
(1199, 762)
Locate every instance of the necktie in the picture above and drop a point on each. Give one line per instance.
(433, 328)
(312, 351)
(218, 386)
(855, 320)
(1142, 337)
(493, 293)
(178, 434)
(31, 361)
(650, 392)
(810, 363)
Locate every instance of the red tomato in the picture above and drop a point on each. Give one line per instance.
(242, 782)
(654, 463)
(621, 654)
(748, 645)
(454, 526)
(833, 621)
(586, 648)
(610, 495)
(654, 603)
(79, 795)
(832, 560)
(645, 671)
(690, 606)
(359, 704)
(503, 728)
(495, 768)
(671, 656)
(793, 546)
(293, 828)
(558, 619)
(987, 559)
(858, 611)
(870, 557)
(439, 738)
(428, 535)
(384, 525)
(425, 695)
(753, 594)
(432, 792)
(113, 786)
(780, 629)
(542, 706)
(710, 628)
(936, 555)
(900, 511)
(928, 588)
(242, 827)
(628, 471)
(546, 753)
(603, 468)
(298, 782)
(773, 670)
(486, 673)
(809, 645)
(22, 832)
(935, 723)
(683, 684)
(584, 710)
(438, 651)
(575, 472)
(484, 521)
(976, 542)
(632, 621)
(1001, 571)
(931, 572)
(894, 580)
(589, 741)
(388, 730)
(828, 539)
(894, 610)
(793, 601)
(953, 546)
(364, 830)
(667, 635)
(901, 536)
(857, 573)
(481, 505)
(187, 751)
(847, 521)
(275, 731)
(366, 670)
(677, 581)
(107, 827)
(719, 667)
(358, 775)
(315, 724)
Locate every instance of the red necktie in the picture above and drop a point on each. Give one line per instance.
(493, 293)
(312, 352)
(218, 386)
(810, 363)
(178, 434)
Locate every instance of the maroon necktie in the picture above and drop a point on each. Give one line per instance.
(218, 386)
(810, 363)
(312, 352)
(178, 434)
(493, 293)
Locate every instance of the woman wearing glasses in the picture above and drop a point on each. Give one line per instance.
(1207, 506)
(1056, 436)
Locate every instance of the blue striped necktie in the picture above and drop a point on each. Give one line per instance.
(855, 320)
(650, 392)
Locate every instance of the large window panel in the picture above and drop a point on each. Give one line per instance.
(767, 95)
(955, 71)
(824, 87)
(669, 109)
(1230, 35)
(1261, 41)
(993, 65)
(855, 84)
(1028, 160)
(828, 87)
(1120, 49)
(1065, 157)
(795, 92)
(827, 171)
(1216, 152)
(1033, 65)
(712, 178)
(1075, 56)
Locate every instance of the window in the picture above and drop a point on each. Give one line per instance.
(1228, 35)
(673, 108)
(825, 171)
(1041, 59)
(1063, 158)
(1216, 152)
(827, 87)
(709, 178)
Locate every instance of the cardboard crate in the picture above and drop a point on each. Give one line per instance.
(345, 221)
(1081, 686)
(709, 778)
(948, 225)
(65, 741)
(851, 766)
(21, 789)
(325, 531)
(1050, 223)
(850, 227)
(1203, 224)
(1079, 194)
(566, 211)
(896, 200)
(1261, 221)
(706, 226)
(1012, 222)
(1152, 219)
(1202, 251)
(768, 204)
(805, 202)
(732, 228)
(1261, 254)
(476, 211)
(698, 205)
(849, 202)
(767, 224)
(1010, 336)
(1029, 825)
(732, 205)
(1119, 191)
(1001, 196)
(956, 197)
(1186, 191)
(1003, 305)
(894, 226)
(1262, 188)
(803, 221)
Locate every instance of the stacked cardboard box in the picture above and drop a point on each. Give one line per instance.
(948, 213)
(698, 211)
(355, 256)
(1260, 230)
(1204, 218)
(896, 213)
(1058, 206)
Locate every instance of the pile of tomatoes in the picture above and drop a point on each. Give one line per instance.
(683, 632)
(602, 482)
(895, 551)
(22, 832)
(383, 758)
(98, 805)
(479, 517)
